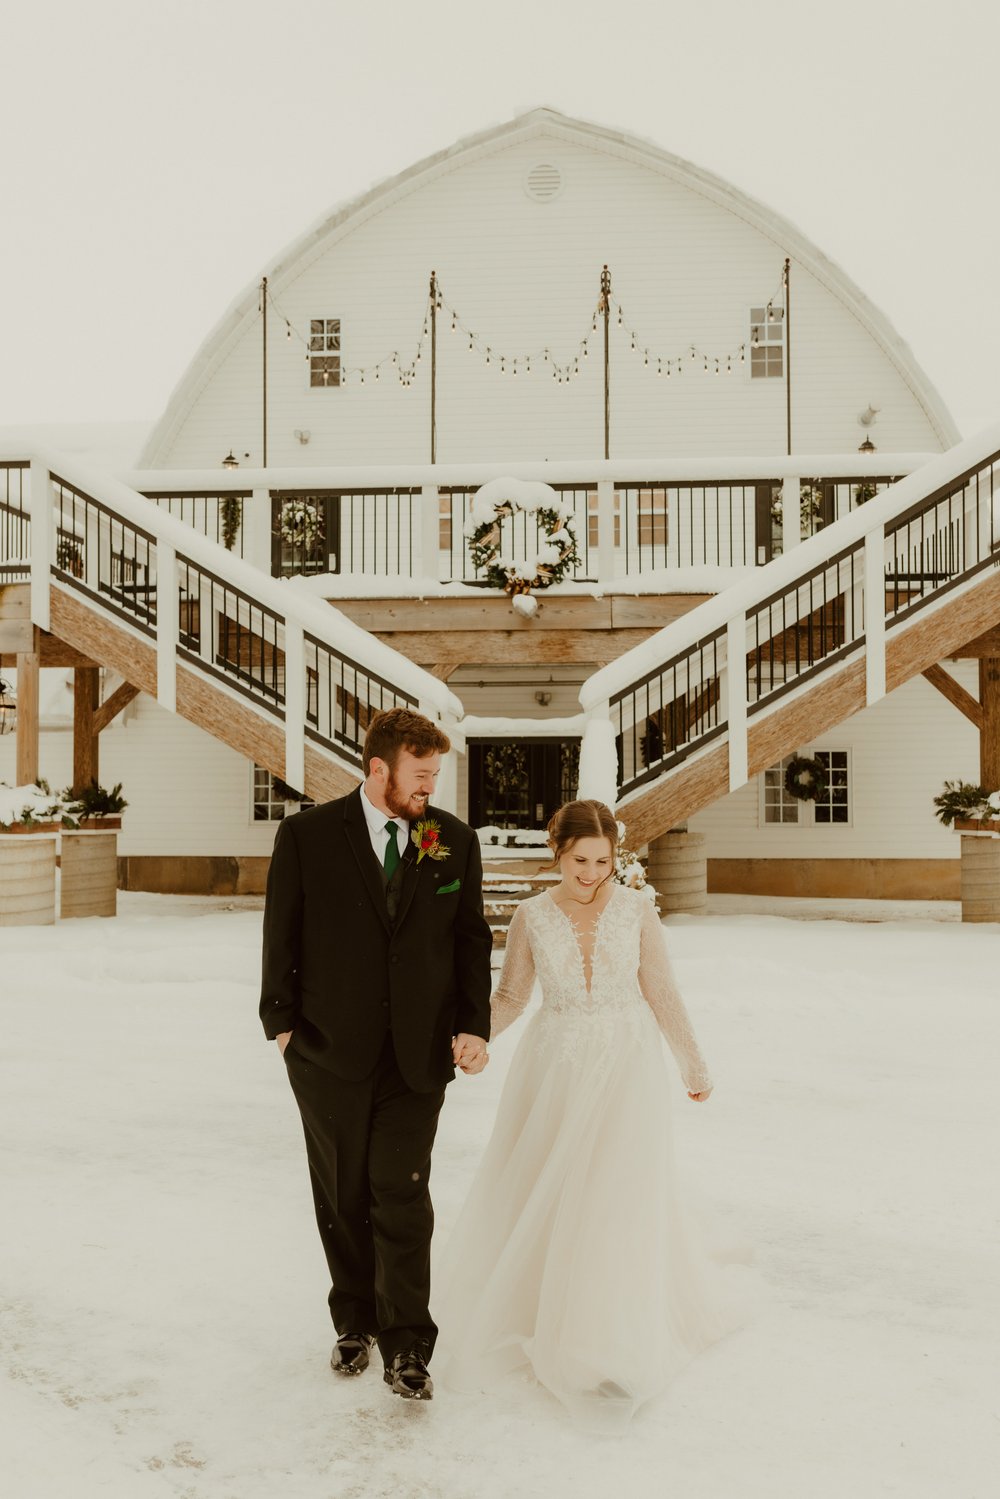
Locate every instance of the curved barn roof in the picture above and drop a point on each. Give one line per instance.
(538, 123)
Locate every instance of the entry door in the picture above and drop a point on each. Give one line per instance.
(519, 783)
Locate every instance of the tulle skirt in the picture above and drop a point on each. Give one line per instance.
(574, 1257)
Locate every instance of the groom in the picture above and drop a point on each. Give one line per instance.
(376, 985)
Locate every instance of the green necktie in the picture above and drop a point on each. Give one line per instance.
(391, 859)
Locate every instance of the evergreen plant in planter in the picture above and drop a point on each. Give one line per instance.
(968, 808)
(33, 809)
(96, 807)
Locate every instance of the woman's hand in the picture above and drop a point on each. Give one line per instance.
(701, 1097)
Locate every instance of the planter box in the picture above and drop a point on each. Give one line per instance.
(976, 825)
(14, 828)
(89, 884)
(27, 880)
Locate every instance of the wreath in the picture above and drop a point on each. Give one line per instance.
(805, 778)
(301, 523)
(556, 553)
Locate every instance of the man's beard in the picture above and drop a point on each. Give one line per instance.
(400, 806)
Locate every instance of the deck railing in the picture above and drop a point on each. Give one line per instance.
(630, 519)
(15, 522)
(835, 597)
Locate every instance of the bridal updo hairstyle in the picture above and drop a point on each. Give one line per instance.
(401, 729)
(587, 819)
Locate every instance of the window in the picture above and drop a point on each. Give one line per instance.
(833, 808)
(767, 351)
(270, 795)
(778, 805)
(835, 805)
(324, 351)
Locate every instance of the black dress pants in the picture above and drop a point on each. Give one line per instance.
(369, 1150)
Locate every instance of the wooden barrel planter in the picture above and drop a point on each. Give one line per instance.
(678, 871)
(980, 877)
(27, 879)
(89, 884)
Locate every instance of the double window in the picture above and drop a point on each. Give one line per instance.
(324, 351)
(833, 808)
(271, 796)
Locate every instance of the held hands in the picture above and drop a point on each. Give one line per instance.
(469, 1053)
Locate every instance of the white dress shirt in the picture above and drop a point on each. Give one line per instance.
(376, 821)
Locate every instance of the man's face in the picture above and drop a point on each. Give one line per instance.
(410, 785)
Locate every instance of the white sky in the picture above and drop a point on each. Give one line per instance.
(155, 156)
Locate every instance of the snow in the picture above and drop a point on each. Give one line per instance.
(392, 586)
(162, 1300)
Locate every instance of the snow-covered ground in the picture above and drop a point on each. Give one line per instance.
(162, 1295)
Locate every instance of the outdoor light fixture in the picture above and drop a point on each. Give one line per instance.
(867, 446)
(867, 417)
(543, 699)
(230, 460)
(8, 708)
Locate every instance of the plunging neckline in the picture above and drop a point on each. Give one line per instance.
(588, 988)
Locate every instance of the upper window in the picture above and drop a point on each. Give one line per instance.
(324, 351)
(767, 349)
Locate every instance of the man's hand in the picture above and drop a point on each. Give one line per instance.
(283, 1038)
(469, 1053)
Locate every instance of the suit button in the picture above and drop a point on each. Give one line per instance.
(385, 1004)
(394, 958)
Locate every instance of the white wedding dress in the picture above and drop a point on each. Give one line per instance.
(573, 1258)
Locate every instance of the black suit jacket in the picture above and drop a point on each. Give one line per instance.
(339, 972)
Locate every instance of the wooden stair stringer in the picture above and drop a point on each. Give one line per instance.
(204, 703)
(931, 636)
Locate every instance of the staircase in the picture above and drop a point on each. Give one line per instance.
(282, 678)
(503, 892)
(811, 638)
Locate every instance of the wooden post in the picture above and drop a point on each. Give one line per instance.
(28, 663)
(989, 733)
(86, 755)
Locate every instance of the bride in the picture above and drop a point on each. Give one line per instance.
(572, 1259)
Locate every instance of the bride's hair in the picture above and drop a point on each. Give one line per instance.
(586, 819)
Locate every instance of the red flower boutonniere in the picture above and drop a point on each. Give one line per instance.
(427, 836)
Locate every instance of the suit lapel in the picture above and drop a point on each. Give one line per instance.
(356, 830)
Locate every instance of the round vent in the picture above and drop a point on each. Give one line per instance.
(543, 183)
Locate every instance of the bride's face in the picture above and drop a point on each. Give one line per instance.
(585, 865)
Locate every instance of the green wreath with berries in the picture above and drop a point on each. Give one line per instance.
(806, 778)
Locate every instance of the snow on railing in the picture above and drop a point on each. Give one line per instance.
(836, 594)
(296, 658)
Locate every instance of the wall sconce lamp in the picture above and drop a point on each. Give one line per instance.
(230, 460)
(543, 699)
(867, 446)
(302, 436)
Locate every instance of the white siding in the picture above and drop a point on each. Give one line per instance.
(903, 750)
(526, 275)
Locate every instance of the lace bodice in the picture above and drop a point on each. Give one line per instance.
(630, 971)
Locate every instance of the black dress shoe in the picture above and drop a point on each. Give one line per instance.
(350, 1353)
(407, 1376)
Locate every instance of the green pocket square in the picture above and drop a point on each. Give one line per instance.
(450, 889)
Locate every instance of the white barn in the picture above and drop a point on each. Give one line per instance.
(557, 301)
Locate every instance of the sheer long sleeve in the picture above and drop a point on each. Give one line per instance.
(660, 991)
(517, 978)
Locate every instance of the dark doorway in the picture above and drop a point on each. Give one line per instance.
(519, 783)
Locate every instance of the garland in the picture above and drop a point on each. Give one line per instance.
(805, 778)
(556, 555)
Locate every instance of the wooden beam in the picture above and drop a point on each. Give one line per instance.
(17, 634)
(443, 673)
(955, 693)
(989, 733)
(112, 706)
(500, 647)
(86, 749)
(987, 644)
(53, 653)
(27, 717)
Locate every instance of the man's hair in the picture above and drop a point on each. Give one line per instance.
(398, 729)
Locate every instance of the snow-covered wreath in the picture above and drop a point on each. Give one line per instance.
(301, 523)
(540, 567)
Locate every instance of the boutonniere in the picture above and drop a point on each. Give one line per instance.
(427, 837)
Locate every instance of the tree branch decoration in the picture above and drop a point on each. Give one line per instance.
(805, 778)
(550, 561)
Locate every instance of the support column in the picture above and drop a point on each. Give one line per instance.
(28, 665)
(989, 733)
(86, 754)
